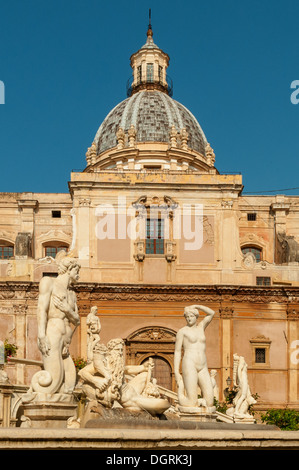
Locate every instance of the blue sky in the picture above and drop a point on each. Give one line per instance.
(65, 65)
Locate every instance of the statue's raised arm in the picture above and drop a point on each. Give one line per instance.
(208, 311)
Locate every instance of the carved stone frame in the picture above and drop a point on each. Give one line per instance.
(164, 207)
(264, 343)
(150, 342)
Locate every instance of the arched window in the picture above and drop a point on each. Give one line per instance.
(6, 250)
(257, 252)
(52, 248)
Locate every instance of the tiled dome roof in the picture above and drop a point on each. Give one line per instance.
(152, 113)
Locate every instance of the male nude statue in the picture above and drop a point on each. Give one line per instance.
(191, 338)
(57, 317)
(93, 332)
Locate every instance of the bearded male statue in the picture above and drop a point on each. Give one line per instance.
(57, 317)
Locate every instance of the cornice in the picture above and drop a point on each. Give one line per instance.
(160, 180)
(186, 293)
(223, 294)
(219, 289)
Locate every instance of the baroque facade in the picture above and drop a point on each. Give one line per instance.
(156, 227)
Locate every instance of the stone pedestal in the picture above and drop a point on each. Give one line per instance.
(227, 418)
(48, 415)
(51, 413)
(200, 413)
(5, 404)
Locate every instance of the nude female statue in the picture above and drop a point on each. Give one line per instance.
(191, 338)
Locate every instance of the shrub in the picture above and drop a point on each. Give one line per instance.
(229, 400)
(10, 350)
(286, 419)
(79, 363)
(222, 407)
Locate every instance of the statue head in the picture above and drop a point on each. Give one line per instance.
(67, 264)
(116, 345)
(92, 320)
(191, 309)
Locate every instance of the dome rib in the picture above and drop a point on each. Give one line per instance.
(135, 112)
(173, 105)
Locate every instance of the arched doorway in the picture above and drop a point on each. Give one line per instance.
(161, 372)
(158, 343)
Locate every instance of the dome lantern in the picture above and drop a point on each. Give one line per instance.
(149, 66)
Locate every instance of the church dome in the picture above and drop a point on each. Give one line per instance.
(153, 114)
(150, 115)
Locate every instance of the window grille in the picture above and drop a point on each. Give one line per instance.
(263, 281)
(6, 252)
(155, 236)
(53, 250)
(260, 355)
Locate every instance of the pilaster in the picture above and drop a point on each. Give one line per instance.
(226, 329)
(293, 352)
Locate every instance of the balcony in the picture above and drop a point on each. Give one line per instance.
(150, 83)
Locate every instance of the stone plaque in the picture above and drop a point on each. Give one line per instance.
(23, 245)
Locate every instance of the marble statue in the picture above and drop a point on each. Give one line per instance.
(57, 317)
(243, 399)
(140, 391)
(93, 332)
(191, 339)
(108, 380)
(213, 374)
(102, 378)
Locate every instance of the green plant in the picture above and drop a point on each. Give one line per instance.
(286, 419)
(229, 400)
(10, 350)
(250, 408)
(223, 406)
(79, 363)
(220, 406)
